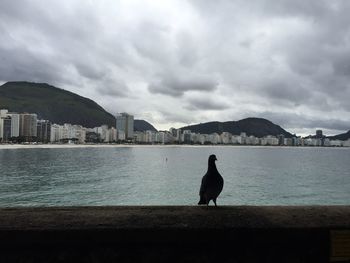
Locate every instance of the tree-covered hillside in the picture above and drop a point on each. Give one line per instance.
(251, 126)
(54, 104)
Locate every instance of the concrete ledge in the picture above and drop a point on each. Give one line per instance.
(175, 233)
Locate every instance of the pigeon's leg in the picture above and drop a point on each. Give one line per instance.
(214, 200)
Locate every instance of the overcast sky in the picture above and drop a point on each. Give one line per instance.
(175, 63)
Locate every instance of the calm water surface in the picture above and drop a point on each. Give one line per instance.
(143, 176)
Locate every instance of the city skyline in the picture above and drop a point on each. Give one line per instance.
(27, 128)
(177, 63)
(124, 119)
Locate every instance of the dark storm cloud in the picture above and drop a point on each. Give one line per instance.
(40, 45)
(207, 103)
(287, 91)
(89, 71)
(21, 64)
(113, 88)
(341, 64)
(320, 54)
(187, 51)
(176, 86)
(153, 44)
(293, 120)
(318, 36)
(265, 8)
(266, 56)
(175, 117)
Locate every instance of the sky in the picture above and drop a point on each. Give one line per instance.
(175, 63)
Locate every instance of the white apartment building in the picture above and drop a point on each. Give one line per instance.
(113, 136)
(121, 135)
(252, 140)
(336, 143)
(3, 115)
(214, 138)
(226, 138)
(140, 137)
(67, 132)
(103, 131)
(203, 138)
(236, 139)
(14, 124)
(346, 143)
(269, 140)
(150, 137)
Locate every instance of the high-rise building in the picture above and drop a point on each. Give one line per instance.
(3, 115)
(281, 139)
(6, 134)
(187, 137)
(14, 124)
(27, 125)
(319, 134)
(125, 123)
(43, 131)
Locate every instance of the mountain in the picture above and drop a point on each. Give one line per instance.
(342, 137)
(251, 126)
(54, 104)
(141, 125)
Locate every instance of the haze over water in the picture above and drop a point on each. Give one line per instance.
(171, 176)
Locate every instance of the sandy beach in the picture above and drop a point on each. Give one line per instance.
(62, 146)
(67, 146)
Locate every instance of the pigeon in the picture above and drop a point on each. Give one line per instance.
(212, 183)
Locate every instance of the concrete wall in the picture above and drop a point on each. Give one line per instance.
(181, 234)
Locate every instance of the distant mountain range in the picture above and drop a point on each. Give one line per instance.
(251, 126)
(62, 106)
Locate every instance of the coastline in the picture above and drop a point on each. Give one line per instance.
(69, 146)
(58, 146)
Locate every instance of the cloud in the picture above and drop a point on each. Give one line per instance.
(174, 117)
(88, 70)
(187, 51)
(288, 91)
(294, 121)
(21, 64)
(195, 57)
(113, 88)
(206, 103)
(178, 85)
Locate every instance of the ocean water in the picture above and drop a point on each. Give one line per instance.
(172, 175)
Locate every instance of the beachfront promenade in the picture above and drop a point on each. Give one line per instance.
(175, 233)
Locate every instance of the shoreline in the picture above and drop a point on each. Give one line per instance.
(70, 146)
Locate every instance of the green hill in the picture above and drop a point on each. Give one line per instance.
(342, 137)
(141, 125)
(251, 126)
(54, 104)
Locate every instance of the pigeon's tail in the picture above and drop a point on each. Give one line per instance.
(202, 201)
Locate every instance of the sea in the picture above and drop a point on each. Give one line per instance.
(171, 175)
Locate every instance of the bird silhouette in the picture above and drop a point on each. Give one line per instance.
(212, 183)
